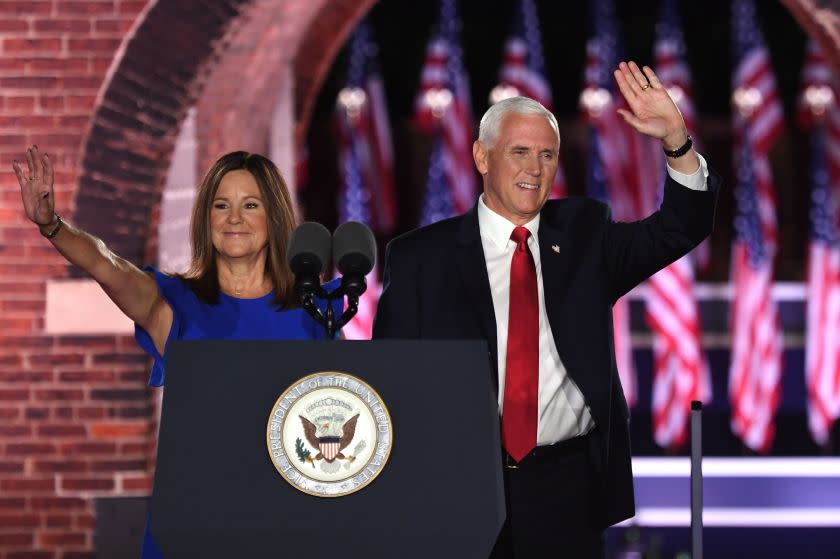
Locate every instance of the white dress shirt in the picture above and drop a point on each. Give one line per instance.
(563, 413)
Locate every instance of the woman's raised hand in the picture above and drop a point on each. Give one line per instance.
(36, 187)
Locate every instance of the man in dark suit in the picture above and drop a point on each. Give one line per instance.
(538, 280)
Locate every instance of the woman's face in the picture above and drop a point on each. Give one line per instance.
(238, 219)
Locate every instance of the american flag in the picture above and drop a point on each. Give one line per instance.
(819, 87)
(819, 112)
(673, 72)
(611, 174)
(366, 133)
(632, 162)
(366, 161)
(680, 370)
(756, 368)
(754, 77)
(442, 106)
(671, 68)
(817, 83)
(437, 198)
(523, 70)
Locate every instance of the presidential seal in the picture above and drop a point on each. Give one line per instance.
(329, 434)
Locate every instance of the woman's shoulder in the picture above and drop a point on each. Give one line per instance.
(172, 287)
(162, 277)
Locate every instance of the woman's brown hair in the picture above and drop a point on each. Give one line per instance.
(202, 276)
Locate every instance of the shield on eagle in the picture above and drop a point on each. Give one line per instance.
(330, 446)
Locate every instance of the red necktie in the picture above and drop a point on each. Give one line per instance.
(522, 372)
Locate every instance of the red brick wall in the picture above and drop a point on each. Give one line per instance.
(75, 418)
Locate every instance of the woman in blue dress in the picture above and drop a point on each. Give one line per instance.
(238, 286)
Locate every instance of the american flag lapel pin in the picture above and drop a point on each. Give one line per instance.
(556, 248)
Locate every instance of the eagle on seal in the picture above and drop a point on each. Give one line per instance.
(348, 431)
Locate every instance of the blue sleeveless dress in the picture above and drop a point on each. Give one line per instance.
(231, 319)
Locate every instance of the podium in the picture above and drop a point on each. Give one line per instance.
(218, 494)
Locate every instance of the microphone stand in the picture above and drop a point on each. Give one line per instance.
(328, 320)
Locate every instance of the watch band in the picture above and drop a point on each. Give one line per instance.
(680, 151)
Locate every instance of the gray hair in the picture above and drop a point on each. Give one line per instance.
(488, 130)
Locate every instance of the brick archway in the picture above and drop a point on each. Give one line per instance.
(150, 85)
(228, 60)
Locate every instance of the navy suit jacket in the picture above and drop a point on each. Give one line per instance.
(436, 287)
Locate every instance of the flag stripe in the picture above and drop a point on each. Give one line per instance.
(443, 70)
(822, 351)
(756, 367)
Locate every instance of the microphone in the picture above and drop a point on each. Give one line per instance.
(308, 254)
(353, 252)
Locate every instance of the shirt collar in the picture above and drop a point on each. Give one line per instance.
(498, 229)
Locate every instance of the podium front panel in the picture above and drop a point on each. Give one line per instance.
(218, 494)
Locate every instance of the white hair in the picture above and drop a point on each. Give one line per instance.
(488, 129)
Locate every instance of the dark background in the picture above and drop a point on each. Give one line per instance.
(565, 28)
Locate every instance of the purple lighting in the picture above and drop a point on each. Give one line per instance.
(746, 492)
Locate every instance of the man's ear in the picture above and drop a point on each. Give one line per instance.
(480, 157)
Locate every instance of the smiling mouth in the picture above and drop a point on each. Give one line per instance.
(528, 186)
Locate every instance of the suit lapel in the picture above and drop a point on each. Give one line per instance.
(555, 258)
(472, 270)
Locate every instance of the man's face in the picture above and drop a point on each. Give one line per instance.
(518, 168)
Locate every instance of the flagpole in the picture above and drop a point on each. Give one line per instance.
(696, 480)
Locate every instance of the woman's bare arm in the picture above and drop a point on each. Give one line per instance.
(133, 291)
